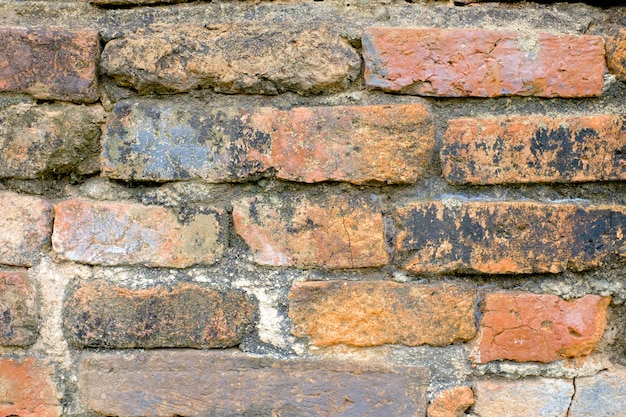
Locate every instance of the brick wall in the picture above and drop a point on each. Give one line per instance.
(298, 208)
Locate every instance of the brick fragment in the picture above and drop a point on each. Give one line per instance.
(507, 237)
(601, 395)
(616, 53)
(226, 383)
(540, 397)
(379, 312)
(482, 63)
(25, 228)
(108, 233)
(19, 321)
(102, 315)
(526, 327)
(237, 58)
(36, 141)
(26, 389)
(535, 149)
(452, 402)
(332, 232)
(52, 64)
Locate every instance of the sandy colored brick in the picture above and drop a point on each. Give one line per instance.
(228, 383)
(238, 58)
(616, 53)
(601, 395)
(482, 63)
(26, 389)
(103, 315)
(334, 231)
(526, 327)
(498, 237)
(19, 319)
(50, 64)
(535, 149)
(25, 228)
(452, 402)
(111, 233)
(379, 312)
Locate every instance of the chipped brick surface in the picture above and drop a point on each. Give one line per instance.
(452, 402)
(616, 53)
(19, 320)
(26, 389)
(601, 395)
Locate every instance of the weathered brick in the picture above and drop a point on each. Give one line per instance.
(378, 312)
(26, 389)
(109, 233)
(537, 397)
(452, 402)
(25, 228)
(49, 139)
(616, 53)
(292, 230)
(482, 63)
(526, 327)
(225, 383)
(237, 58)
(601, 395)
(19, 321)
(508, 237)
(100, 314)
(535, 149)
(50, 63)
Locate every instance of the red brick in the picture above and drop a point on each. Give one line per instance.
(482, 63)
(108, 233)
(164, 383)
(332, 232)
(616, 53)
(103, 315)
(601, 395)
(452, 402)
(535, 149)
(25, 228)
(50, 63)
(500, 237)
(19, 322)
(26, 389)
(527, 327)
(379, 312)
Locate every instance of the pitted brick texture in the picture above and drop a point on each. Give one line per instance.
(19, 318)
(27, 390)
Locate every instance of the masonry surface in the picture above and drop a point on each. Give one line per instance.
(312, 208)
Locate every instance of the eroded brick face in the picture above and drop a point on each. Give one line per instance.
(452, 402)
(616, 53)
(27, 390)
(19, 320)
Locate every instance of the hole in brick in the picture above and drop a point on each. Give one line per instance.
(574, 333)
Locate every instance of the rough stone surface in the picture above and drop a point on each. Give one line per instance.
(379, 312)
(508, 237)
(102, 315)
(50, 63)
(25, 228)
(333, 232)
(452, 402)
(110, 233)
(130, 3)
(238, 58)
(226, 383)
(26, 389)
(535, 149)
(537, 397)
(602, 395)
(616, 53)
(527, 327)
(19, 320)
(482, 63)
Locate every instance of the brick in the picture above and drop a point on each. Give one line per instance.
(482, 63)
(537, 397)
(103, 315)
(36, 141)
(226, 383)
(616, 53)
(19, 321)
(109, 233)
(534, 149)
(498, 237)
(237, 58)
(50, 64)
(601, 395)
(25, 228)
(332, 232)
(379, 312)
(452, 402)
(150, 140)
(26, 389)
(526, 327)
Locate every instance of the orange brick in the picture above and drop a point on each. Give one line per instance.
(379, 312)
(535, 149)
(452, 402)
(529, 327)
(26, 389)
(482, 63)
(616, 53)
(19, 321)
